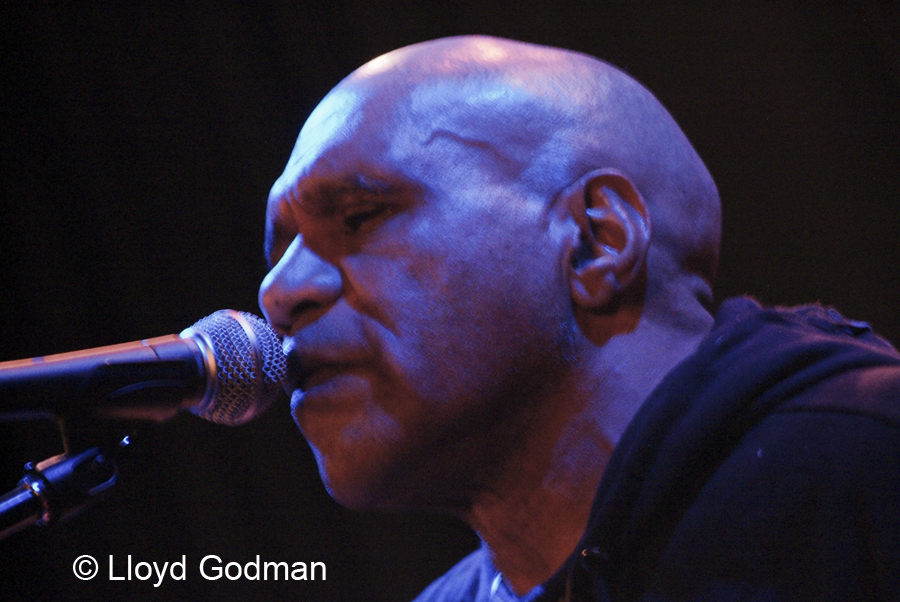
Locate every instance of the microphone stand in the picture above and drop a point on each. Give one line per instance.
(59, 486)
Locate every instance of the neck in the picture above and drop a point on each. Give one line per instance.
(536, 512)
(533, 520)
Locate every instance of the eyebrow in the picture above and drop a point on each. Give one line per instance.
(330, 197)
(325, 199)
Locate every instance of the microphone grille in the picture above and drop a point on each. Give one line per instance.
(250, 363)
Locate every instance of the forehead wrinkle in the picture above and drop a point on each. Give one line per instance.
(506, 164)
(499, 136)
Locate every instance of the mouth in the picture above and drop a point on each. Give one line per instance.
(320, 374)
(315, 368)
(307, 371)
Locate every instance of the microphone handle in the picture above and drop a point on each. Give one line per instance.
(142, 380)
(55, 489)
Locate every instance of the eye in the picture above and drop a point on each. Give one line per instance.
(363, 218)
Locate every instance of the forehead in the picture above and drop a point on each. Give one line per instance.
(408, 129)
(333, 122)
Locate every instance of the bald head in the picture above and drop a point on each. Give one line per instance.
(469, 231)
(538, 118)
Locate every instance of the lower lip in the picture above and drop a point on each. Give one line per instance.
(331, 393)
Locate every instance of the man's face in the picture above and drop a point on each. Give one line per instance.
(422, 297)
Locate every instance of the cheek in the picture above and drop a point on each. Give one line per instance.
(461, 304)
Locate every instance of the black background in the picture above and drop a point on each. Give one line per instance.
(138, 145)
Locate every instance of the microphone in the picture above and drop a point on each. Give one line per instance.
(226, 368)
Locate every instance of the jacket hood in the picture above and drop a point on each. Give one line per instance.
(753, 362)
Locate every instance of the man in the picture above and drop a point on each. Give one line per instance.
(492, 266)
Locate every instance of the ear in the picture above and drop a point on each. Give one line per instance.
(613, 236)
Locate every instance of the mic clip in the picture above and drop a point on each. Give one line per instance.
(56, 488)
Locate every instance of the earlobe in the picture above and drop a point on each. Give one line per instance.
(613, 237)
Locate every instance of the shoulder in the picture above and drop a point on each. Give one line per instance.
(806, 504)
(468, 581)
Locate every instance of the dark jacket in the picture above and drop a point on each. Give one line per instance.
(766, 466)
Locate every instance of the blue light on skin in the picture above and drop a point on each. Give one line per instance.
(338, 111)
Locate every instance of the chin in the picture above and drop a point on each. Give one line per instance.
(352, 486)
(375, 488)
(360, 496)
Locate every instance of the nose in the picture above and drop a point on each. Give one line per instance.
(299, 288)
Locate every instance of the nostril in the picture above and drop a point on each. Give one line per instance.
(301, 313)
(282, 329)
(303, 306)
